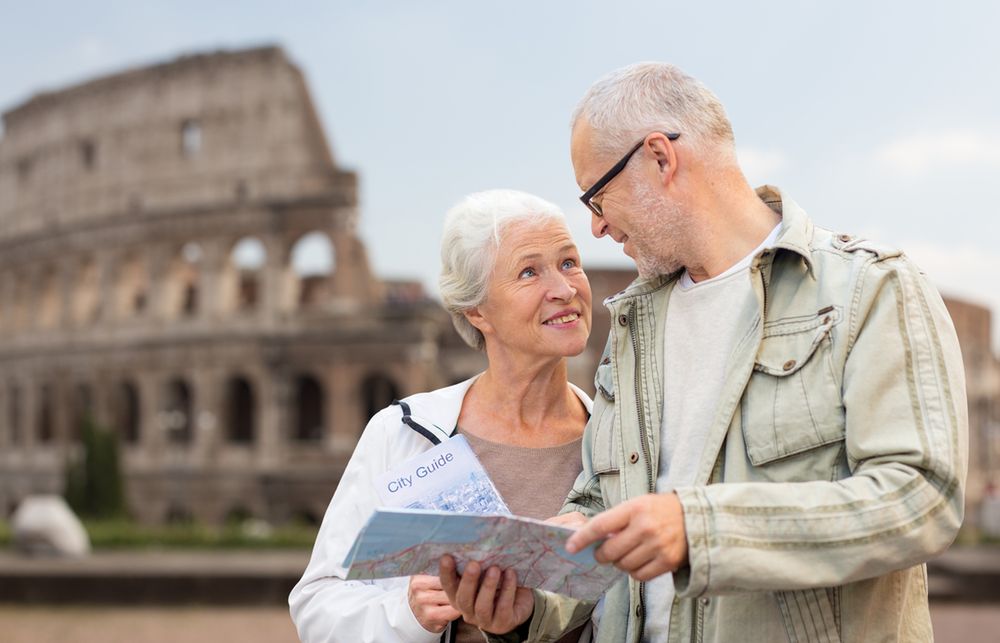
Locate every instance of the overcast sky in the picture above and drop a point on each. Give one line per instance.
(879, 118)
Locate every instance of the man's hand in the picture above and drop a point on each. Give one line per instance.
(573, 520)
(481, 605)
(645, 536)
(430, 604)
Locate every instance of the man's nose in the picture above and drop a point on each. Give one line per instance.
(598, 226)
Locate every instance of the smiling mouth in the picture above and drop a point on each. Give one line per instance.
(564, 319)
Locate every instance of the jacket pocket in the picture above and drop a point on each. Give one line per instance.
(811, 615)
(792, 403)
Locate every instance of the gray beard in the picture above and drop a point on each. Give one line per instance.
(664, 228)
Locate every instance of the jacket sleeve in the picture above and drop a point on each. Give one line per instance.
(905, 439)
(325, 607)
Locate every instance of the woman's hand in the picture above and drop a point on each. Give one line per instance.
(497, 605)
(429, 603)
(573, 520)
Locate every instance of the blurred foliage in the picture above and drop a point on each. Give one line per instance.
(94, 485)
(123, 534)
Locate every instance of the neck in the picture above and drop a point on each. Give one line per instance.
(733, 221)
(522, 399)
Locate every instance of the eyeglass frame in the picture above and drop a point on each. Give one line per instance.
(588, 196)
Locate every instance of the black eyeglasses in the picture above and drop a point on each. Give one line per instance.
(588, 196)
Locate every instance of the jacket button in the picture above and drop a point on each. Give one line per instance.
(703, 600)
(622, 320)
(606, 361)
(789, 365)
(844, 238)
(633, 457)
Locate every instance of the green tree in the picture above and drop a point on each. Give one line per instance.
(94, 483)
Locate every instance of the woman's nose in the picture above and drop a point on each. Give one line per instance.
(562, 289)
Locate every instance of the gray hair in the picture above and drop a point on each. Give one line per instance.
(472, 232)
(633, 101)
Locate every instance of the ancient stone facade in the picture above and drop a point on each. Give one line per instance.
(150, 225)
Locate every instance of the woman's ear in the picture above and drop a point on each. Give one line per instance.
(476, 318)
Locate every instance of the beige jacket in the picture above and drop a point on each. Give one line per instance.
(834, 468)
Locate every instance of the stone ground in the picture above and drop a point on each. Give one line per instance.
(953, 623)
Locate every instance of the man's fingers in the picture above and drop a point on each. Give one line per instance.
(619, 545)
(598, 527)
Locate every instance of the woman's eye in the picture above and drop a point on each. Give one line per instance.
(568, 263)
(527, 272)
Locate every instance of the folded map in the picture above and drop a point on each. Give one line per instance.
(405, 542)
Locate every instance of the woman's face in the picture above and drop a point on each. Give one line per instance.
(538, 298)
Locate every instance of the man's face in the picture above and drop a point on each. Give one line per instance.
(637, 214)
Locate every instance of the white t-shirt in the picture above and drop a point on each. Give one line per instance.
(701, 333)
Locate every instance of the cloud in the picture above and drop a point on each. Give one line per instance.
(760, 165)
(921, 153)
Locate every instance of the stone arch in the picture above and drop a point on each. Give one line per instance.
(47, 315)
(126, 412)
(377, 391)
(242, 279)
(82, 409)
(240, 411)
(176, 417)
(183, 280)
(86, 295)
(310, 405)
(14, 413)
(131, 292)
(45, 429)
(312, 261)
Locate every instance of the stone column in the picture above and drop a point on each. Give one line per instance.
(274, 279)
(107, 263)
(210, 267)
(68, 277)
(157, 267)
(208, 413)
(344, 407)
(151, 428)
(273, 389)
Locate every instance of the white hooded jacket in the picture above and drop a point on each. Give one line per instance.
(326, 608)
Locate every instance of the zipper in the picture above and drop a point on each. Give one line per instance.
(645, 452)
(763, 284)
(699, 623)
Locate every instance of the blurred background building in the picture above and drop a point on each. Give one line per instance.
(179, 260)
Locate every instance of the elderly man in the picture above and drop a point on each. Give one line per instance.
(779, 440)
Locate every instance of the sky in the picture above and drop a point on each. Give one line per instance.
(879, 118)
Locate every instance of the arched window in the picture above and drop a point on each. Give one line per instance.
(45, 429)
(127, 412)
(240, 411)
(377, 392)
(309, 420)
(176, 416)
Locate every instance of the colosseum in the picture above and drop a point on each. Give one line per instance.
(179, 261)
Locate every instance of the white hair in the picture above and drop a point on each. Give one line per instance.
(472, 232)
(631, 102)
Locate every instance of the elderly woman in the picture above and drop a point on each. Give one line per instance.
(512, 280)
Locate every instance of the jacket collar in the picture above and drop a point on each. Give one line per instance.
(795, 235)
(439, 410)
(796, 231)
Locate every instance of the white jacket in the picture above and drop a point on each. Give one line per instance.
(325, 607)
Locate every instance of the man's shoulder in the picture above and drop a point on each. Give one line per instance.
(852, 246)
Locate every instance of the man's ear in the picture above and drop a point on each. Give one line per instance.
(475, 317)
(663, 151)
